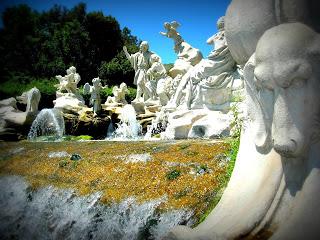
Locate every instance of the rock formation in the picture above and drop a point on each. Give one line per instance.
(14, 123)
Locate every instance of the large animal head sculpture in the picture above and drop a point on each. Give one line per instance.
(283, 83)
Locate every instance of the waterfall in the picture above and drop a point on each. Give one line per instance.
(128, 128)
(49, 122)
(50, 213)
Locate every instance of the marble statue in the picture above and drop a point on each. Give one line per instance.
(172, 32)
(215, 72)
(119, 95)
(158, 79)
(94, 90)
(274, 190)
(188, 56)
(140, 62)
(69, 82)
(68, 95)
(31, 98)
(247, 20)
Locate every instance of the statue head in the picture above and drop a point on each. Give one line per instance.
(155, 58)
(96, 81)
(220, 23)
(167, 25)
(123, 86)
(71, 69)
(144, 46)
(287, 61)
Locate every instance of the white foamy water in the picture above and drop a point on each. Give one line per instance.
(49, 213)
(128, 128)
(49, 122)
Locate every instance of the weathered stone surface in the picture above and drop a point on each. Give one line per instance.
(9, 102)
(15, 124)
(69, 102)
(214, 125)
(198, 123)
(84, 123)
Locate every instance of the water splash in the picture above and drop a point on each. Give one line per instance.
(49, 213)
(49, 123)
(128, 128)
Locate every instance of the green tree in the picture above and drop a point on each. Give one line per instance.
(36, 46)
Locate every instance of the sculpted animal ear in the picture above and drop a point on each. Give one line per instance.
(257, 102)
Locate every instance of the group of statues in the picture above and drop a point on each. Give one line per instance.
(69, 96)
(184, 80)
(150, 74)
(181, 86)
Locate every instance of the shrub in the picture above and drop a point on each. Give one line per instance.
(17, 85)
(131, 94)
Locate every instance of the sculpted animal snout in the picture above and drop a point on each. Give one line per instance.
(287, 148)
(288, 124)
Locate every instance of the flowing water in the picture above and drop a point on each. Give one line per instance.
(49, 123)
(49, 213)
(128, 128)
(118, 190)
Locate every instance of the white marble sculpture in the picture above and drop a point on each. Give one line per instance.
(140, 62)
(94, 90)
(172, 32)
(209, 82)
(119, 96)
(188, 56)
(158, 80)
(31, 98)
(274, 190)
(68, 95)
(69, 82)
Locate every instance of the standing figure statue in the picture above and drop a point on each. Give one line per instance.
(94, 90)
(140, 62)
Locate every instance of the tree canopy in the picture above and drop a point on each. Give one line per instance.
(37, 45)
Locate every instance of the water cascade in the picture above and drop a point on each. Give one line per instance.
(49, 122)
(129, 127)
(61, 214)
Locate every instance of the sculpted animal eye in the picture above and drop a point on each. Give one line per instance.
(262, 83)
(298, 83)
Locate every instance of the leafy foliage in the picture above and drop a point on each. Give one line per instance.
(34, 47)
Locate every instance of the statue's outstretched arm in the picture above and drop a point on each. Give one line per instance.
(164, 34)
(126, 52)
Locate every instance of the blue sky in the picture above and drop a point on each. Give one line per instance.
(145, 19)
